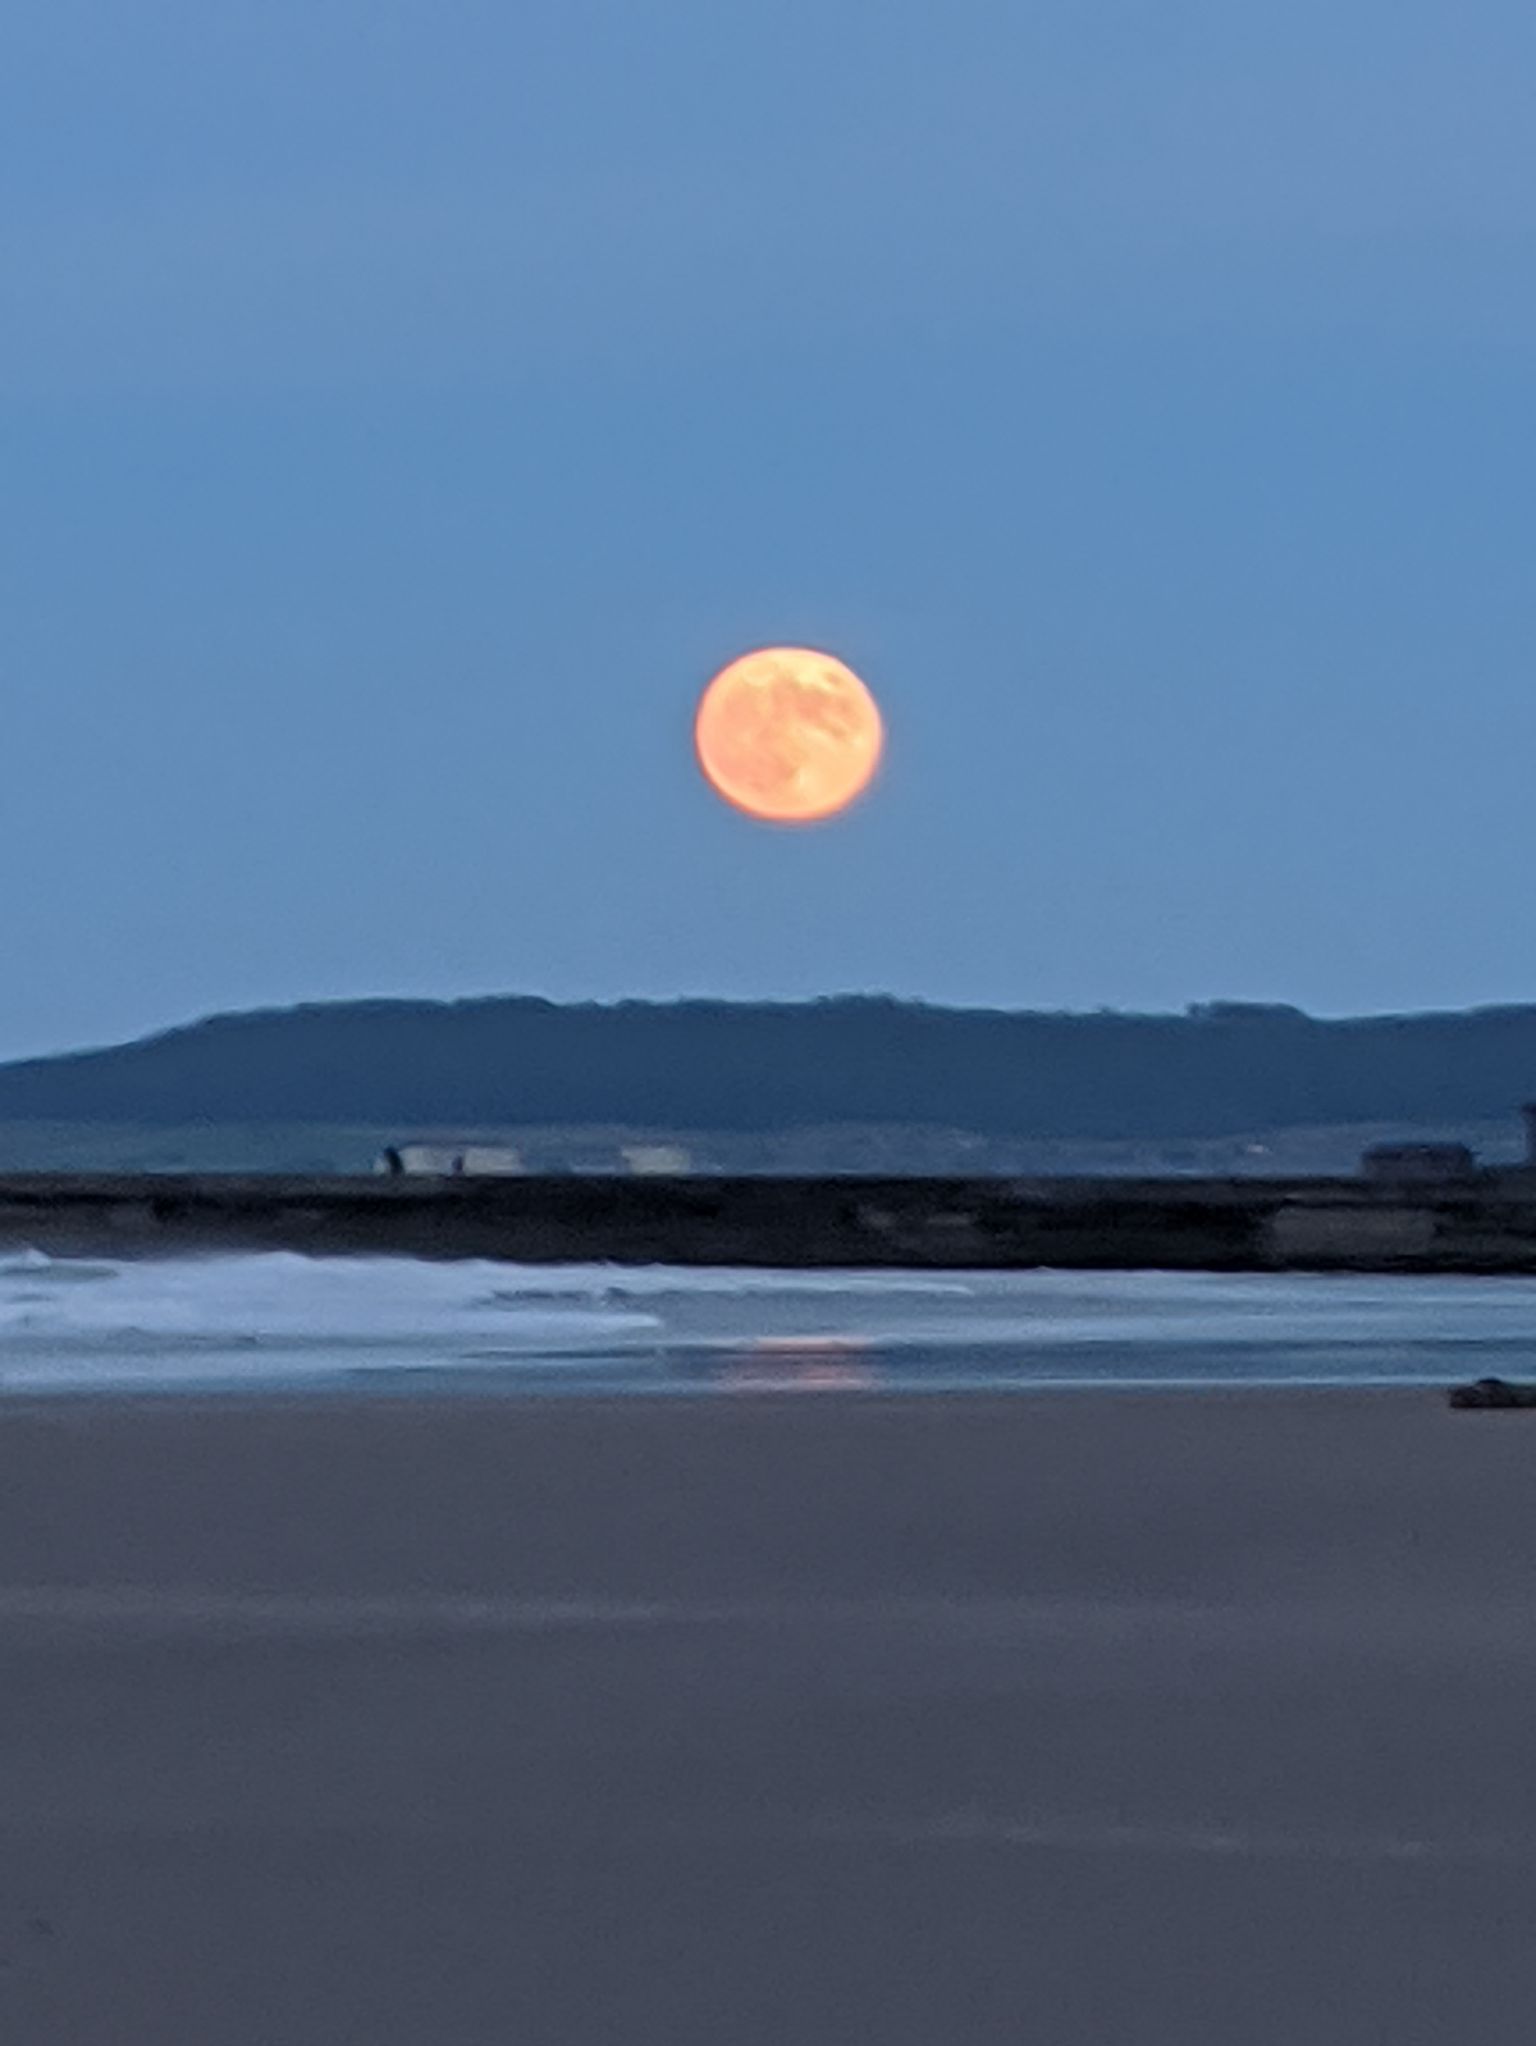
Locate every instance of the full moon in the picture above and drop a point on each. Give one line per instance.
(788, 734)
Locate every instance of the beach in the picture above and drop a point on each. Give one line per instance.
(1072, 1716)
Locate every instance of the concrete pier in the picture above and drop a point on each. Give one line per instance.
(1486, 1224)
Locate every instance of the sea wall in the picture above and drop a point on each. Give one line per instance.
(1486, 1224)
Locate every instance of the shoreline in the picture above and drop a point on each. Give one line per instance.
(337, 1399)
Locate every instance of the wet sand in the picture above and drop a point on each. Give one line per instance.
(1129, 1718)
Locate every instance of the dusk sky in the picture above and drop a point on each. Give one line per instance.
(405, 408)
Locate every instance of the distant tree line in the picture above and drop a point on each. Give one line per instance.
(1218, 1069)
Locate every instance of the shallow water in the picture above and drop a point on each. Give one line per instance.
(282, 1321)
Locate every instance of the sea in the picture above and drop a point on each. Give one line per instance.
(283, 1323)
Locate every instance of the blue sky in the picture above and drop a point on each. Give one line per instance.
(404, 408)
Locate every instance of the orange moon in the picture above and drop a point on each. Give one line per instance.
(788, 734)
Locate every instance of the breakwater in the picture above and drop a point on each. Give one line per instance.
(1484, 1224)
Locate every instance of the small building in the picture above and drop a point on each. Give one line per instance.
(1419, 1162)
(659, 1161)
(451, 1161)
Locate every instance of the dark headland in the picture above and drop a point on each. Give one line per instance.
(1220, 1071)
(901, 1081)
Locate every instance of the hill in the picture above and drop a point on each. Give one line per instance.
(1216, 1069)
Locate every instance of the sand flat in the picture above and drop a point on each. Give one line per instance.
(1071, 1717)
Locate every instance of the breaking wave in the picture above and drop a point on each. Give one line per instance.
(279, 1318)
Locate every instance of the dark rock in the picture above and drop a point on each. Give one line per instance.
(1492, 1392)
